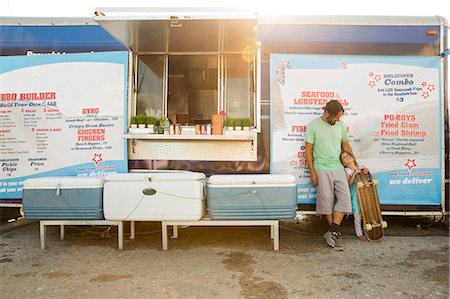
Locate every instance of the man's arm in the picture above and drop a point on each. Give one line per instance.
(310, 161)
(346, 147)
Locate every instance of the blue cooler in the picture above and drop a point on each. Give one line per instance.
(63, 198)
(259, 196)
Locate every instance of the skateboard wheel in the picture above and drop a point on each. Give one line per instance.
(368, 227)
(375, 182)
(384, 224)
(359, 185)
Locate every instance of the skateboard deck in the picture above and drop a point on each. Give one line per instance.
(370, 206)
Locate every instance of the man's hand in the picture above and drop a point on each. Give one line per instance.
(314, 178)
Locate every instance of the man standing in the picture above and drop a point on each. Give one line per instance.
(326, 136)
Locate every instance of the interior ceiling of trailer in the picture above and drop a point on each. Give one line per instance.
(143, 36)
(137, 35)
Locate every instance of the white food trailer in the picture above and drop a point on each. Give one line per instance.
(183, 67)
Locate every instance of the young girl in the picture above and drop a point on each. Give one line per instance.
(351, 170)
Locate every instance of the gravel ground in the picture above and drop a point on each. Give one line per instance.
(225, 262)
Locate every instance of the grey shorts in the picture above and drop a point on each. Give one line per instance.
(333, 192)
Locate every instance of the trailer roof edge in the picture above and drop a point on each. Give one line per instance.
(262, 19)
(167, 13)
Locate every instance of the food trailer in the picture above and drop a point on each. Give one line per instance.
(180, 72)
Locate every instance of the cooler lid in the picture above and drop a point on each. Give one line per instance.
(63, 182)
(252, 179)
(155, 176)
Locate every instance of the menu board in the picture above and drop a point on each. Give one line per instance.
(393, 115)
(61, 115)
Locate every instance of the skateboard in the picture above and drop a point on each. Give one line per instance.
(370, 206)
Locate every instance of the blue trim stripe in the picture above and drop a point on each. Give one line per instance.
(17, 40)
(347, 33)
(313, 61)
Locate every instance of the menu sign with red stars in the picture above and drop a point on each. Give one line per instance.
(393, 116)
(61, 115)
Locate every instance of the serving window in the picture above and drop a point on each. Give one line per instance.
(149, 84)
(206, 66)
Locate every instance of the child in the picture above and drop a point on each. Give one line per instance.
(351, 170)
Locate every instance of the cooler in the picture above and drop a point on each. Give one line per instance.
(154, 196)
(63, 198)
(259, 196)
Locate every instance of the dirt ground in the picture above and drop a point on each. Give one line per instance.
(225, 262)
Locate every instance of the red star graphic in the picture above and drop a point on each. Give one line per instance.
(410, 163)
(424, 83)
(97, 158)
(431, 87)
(372, 84)
(377, 78)
(425, 95)
(371, 74)
(343, 64)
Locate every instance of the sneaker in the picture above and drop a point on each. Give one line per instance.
(330, 238)
(339, 242)
(362, 238)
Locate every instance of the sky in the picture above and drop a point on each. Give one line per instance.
(86, 8)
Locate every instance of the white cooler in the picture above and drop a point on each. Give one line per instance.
(154, 196)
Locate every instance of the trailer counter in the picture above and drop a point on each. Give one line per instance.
(242, 147)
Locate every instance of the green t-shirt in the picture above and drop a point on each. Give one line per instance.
(327, 141)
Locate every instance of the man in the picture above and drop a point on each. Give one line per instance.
(326, 136)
